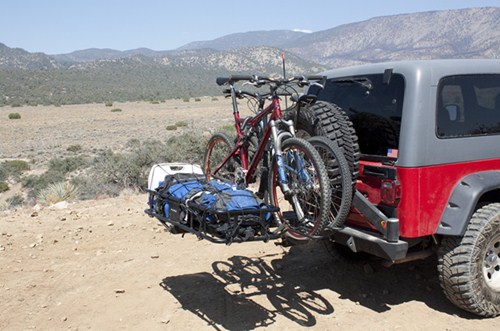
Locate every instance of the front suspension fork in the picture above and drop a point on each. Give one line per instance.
(279, 153)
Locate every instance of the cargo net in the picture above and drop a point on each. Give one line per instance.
(214, 210)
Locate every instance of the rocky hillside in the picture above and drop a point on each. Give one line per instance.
(467, 33)
(17, 58)
(276, 38)
(138, 77)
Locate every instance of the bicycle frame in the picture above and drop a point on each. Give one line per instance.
(241, 149)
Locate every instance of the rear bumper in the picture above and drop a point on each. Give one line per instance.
(372, 243)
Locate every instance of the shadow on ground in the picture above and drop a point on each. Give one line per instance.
(290, 286)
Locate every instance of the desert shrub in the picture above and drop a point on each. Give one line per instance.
(13, 168)
(181, 124)
(112, 172)
(67, 164)
(171, 127)
(57, 192)
(89, 188)
(215, 99)
(4, 187)
(185, 99)
(128, 169)
(35, 184)
(116, 110)
(187, 147)
(74, 148)
(108, 104)
(155, 102)
(197, 99)
(116, 169)
(58, 169)
(14, 116)
(16, 105)
(14, 201)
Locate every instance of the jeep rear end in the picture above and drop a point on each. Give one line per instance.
(414, 121)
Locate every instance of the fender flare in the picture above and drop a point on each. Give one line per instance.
(463, 201)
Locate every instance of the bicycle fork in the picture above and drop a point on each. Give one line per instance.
(298, 162)
(277, 138)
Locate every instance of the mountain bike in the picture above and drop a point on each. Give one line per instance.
(290, 173)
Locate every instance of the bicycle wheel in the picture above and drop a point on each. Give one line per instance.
(305, 207)
(218, 148)
(339, 175)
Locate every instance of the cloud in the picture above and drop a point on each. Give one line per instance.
(302, 30)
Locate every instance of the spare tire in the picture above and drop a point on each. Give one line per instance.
(326, 119)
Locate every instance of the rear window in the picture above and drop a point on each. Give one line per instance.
(374, 106)
(468, 105)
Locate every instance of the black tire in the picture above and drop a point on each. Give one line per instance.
(339, 176)
(310, 198)
(469, 266)
(329, 120)
(218, 148)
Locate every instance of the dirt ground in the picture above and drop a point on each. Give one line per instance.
(105, 265)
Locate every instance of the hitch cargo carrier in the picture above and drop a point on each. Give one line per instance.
(184, 201)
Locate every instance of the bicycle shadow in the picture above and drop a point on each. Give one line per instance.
(226, 297)
(206, 297)
(236, 294)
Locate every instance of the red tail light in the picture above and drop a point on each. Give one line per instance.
(390, 192)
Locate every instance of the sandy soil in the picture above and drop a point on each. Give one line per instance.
(105, 265)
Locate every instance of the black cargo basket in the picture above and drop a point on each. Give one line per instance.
(217, 226)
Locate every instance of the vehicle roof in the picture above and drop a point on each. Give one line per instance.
(441, 67)
(419, 110)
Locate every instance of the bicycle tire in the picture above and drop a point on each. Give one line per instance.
(310, 198)
(218, 148)
(327, 119)
(339, 175)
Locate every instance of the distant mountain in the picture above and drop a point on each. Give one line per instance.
(94, 54)
(464, 33)
(96, 75)
(17, 58)
(274, 38)
(137, 77)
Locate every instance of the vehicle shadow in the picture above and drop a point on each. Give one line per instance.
(243, 293)
(367, 281)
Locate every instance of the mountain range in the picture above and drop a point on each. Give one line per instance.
(94, 75)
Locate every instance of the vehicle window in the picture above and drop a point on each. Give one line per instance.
(374, 107)
(468, 105)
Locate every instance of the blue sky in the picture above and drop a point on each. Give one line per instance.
(62, 26)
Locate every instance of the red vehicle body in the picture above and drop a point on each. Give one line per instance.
(422, 139)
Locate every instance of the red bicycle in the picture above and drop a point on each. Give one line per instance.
(288, 171)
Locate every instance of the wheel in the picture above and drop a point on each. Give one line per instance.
(218, 148)
(339, 175)
(469, 266)
(305, 207)
(327, 119)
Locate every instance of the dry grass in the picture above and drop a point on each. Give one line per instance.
(45, 132)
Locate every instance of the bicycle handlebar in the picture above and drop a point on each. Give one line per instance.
(232, 79)
(259, 80)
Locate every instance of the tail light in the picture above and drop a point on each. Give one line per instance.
(390, 192)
